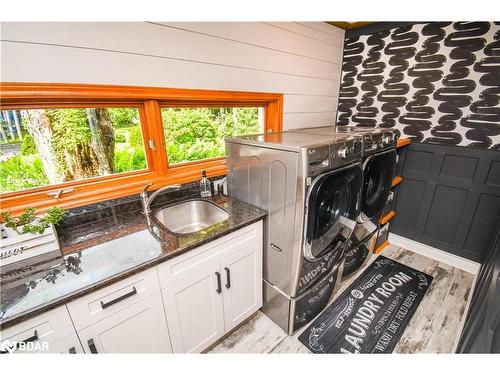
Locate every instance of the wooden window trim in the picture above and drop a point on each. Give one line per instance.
(149, 100)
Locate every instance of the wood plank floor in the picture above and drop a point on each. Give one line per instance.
(433, 329)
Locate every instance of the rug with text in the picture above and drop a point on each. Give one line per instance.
(372, 313)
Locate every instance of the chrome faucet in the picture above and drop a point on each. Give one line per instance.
(148, 199)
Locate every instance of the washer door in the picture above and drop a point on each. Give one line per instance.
(378, 173)
(332, 208)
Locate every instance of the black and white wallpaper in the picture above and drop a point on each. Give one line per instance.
(436, 82)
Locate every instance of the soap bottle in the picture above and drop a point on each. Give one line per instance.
(205, 189)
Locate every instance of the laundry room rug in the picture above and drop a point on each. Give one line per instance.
(372, 313)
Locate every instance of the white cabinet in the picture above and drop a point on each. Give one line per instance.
(70, 344)
(107, 301)
(242, 275)
(138, 328)
(204, 306)
(50, 332)
(205, 293)
(195, 311)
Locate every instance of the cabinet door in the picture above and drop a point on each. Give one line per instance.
(242, 284)
(139, 328)
(194, 310)
(68, 345)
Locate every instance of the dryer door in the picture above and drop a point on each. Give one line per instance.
(332, 208)
(378, 174)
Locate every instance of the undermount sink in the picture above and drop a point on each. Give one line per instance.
(191, 216)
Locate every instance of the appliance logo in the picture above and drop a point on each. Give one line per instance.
(8, 346)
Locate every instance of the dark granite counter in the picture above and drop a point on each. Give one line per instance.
(106, 243)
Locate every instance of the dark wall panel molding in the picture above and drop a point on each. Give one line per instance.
(436, 82)
(449, 198)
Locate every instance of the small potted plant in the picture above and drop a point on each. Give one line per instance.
(20, 236)
(29, 222)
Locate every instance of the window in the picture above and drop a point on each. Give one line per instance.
(198, 133)
(58, 145)
(70, 145)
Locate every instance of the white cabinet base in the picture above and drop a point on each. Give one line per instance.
(139, 328)
(194, 311)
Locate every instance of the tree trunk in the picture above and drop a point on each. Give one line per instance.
(9, 125)
(102, 139)
(39, 127)
(18, 125)
(81, 163)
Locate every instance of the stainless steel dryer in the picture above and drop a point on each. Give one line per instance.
(311, 190)
(379, 163)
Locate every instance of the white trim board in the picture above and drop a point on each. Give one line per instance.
(431, 252)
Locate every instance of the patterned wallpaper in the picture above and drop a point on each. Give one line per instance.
(436, 82)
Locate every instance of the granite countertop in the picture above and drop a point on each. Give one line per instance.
(115, 244)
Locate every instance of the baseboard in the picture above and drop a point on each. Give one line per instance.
(431, 252)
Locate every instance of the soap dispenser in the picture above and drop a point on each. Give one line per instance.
(205, 190)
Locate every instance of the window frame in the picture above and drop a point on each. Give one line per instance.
(149, 100)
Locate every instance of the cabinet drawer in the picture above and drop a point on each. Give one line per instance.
(109, 300)
(193, 261)
(48, 327)
(139, 328)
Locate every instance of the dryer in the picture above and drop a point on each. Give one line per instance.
(311, 189)
(379, 164)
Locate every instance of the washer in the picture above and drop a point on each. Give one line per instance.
(379, 164)
(311, 189)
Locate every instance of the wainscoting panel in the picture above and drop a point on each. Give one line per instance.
(449, 198)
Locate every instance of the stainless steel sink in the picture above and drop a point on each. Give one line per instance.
(191, 216)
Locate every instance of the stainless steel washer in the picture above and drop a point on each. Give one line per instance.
(311, 189)
(379, 163)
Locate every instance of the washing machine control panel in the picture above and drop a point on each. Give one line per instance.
(346, 152)
(318, 158)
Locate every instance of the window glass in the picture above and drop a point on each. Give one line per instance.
(41, 147)
(198, 133)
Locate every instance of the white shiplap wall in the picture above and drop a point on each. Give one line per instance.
(300, 60)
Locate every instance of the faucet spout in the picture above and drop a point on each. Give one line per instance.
(147, 200)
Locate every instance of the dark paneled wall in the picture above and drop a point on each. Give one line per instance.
(449, 198)
(436, 82)
(481, 333)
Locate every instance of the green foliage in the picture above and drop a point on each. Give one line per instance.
(198, 133)
(135, 138)
(131, 159)
(190, 134)
(120, 138)
(123, 117)
(70, 127)
(178, 152)
(22, 172)
(31, 223)
(28, 146)
(71, 133)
